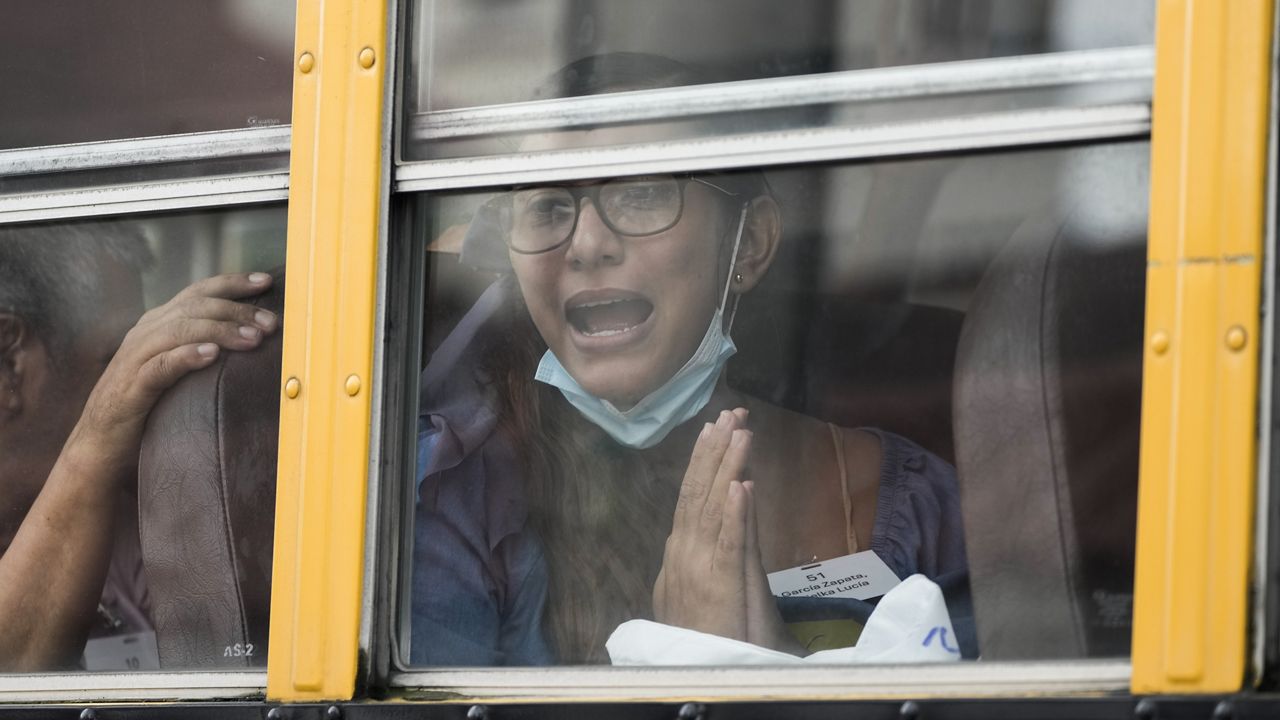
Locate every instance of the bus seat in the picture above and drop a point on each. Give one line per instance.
(886, 365)
(206, 503)
(1047, 412)
(852, 362)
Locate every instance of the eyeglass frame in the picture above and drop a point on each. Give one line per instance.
(591, 191)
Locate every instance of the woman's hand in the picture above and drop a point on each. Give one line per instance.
(183, 335)
(712, 579)
(764, 623)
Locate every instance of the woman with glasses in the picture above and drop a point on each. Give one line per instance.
(581, 460)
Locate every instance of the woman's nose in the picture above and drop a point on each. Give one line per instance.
(593, 243)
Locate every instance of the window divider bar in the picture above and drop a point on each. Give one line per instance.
(976, 132)
(827, 682)
(146, 151)
(132, 686)
(890, 83)
(145, 197)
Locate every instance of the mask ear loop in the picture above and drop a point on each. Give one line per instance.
(733, 260)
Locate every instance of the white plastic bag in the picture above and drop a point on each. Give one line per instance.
(909, 625)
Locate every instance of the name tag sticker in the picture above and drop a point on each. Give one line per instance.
(135, 651)
(861, 575)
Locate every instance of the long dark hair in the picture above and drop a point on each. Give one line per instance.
(602, 511)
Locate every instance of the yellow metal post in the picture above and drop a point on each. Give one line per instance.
(1199, 405)
(335, 188)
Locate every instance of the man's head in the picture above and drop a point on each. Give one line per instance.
(68, 294)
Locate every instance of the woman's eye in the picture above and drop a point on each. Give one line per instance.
(643, 197)
(549, 210)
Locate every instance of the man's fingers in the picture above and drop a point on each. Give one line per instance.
(731, 543)
(732, 465)
(162, 371)
(232, 286)
(202, 313)
(177, 332)
(209, 308)
(187, 333)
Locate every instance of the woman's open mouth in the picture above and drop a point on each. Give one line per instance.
(603, 318)
(609, 317)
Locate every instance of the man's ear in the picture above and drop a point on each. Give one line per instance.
(760, 236)
(15, 339)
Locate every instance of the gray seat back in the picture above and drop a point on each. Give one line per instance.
(1047, 412)
(206, 503)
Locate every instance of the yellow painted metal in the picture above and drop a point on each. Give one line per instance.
(1199, 405)
(335, 187)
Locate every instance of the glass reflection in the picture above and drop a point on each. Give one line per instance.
(568, 482)
(83, 367)
(142, 68)
(477, 54)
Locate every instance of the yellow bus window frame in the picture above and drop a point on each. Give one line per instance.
(1200, 376)
(1198, 468)
(335, 205)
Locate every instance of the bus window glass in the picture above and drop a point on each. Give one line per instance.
(137, 439)
(755, 403)
(472, 55)
(142, 68)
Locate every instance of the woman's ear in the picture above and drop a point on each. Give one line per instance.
(760, 236)
(14, 337)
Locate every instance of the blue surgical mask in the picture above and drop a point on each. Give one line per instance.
(651, 419)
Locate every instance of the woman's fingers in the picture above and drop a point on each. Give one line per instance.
(708, 452)
(732, 466)
(764, 623)
(731, 542)
(702, 584)
(729, 611)
(660, 592)
(761, 607)
(754, 564)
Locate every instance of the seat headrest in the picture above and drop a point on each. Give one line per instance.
(1047, 407)
(206, 503)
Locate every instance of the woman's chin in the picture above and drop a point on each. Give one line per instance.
(615, 380)
(622, 398)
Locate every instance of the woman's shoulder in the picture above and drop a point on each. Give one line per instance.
(904, 459)
(918, 524)
(896, 490)
(907, 499)
(903, 501)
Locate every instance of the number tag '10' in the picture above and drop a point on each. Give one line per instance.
(135, 651)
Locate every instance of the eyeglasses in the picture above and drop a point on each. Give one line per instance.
(541, 219)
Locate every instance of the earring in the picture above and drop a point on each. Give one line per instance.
(737, 278)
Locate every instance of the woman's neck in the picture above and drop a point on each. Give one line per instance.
(678, 445)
